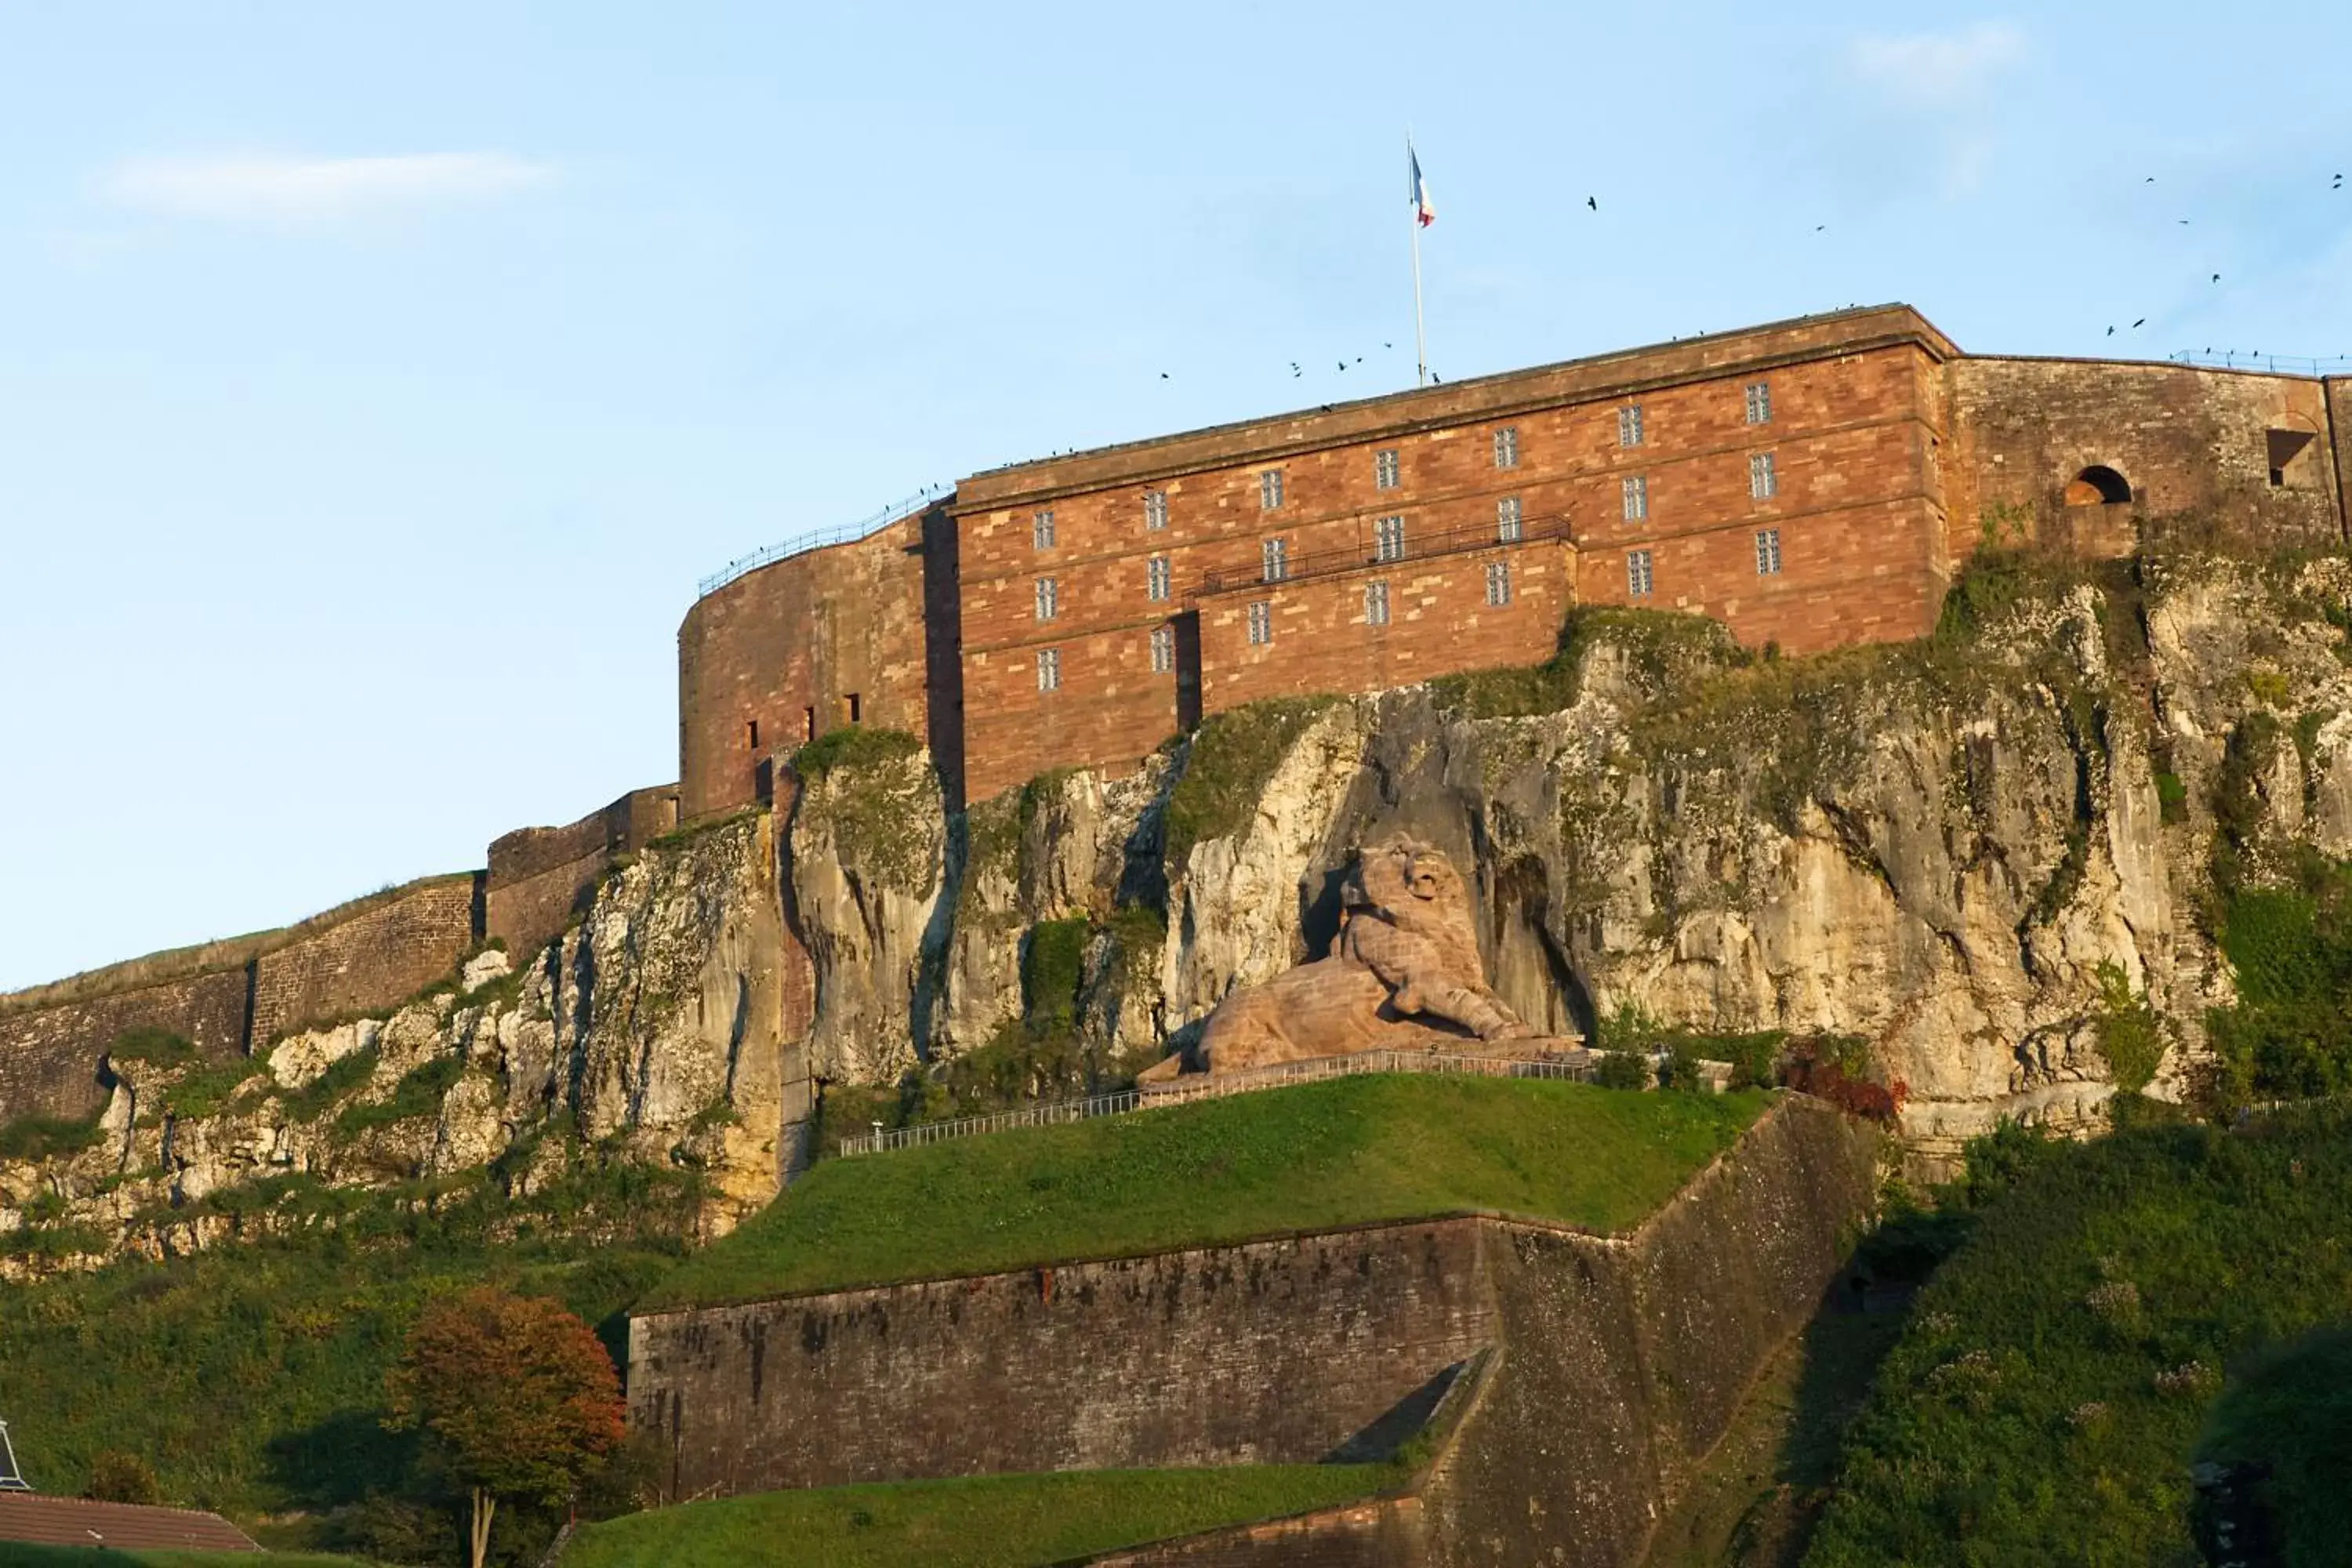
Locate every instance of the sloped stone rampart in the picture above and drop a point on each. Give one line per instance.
(1621, 1360)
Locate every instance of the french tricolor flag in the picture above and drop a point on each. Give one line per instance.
(1423, 209)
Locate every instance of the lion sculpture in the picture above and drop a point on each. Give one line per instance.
(1403, 974)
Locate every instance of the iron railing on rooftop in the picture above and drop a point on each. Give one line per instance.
(2276, 364)
(1573, 1066)
(801, 543)
(1414, 546)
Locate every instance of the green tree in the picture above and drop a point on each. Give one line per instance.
(517, 1394)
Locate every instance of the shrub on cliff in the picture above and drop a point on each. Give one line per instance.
(1232, 759)
(853, 746)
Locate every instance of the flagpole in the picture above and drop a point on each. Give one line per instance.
(1420, 336)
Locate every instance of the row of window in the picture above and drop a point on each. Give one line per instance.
(1634, 490)
(1260, 622)
(1387, 545)
(1388, 466)
(1641, 576)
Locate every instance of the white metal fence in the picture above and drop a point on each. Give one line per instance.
(1574, 1066)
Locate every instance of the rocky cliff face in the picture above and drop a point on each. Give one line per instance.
(1957, 850)
(647, 1033)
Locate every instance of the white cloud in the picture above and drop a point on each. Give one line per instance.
(1937, 71)
(289, 189)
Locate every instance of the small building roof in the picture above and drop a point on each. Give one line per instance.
(41, 1521)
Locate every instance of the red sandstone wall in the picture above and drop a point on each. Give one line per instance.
(2339, 418)
(1850, 437)
(2190, 442)
(785, 648)
(538, 877)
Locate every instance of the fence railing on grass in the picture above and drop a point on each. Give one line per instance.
(801, 543)
(1575, 1065)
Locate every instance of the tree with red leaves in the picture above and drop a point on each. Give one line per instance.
(517, 1392)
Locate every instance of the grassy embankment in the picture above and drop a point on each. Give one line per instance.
(2051, 1383)
(982, 1521)
(1347, 1152)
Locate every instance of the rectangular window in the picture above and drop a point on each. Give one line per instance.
(849, 709)
(1498, 581)
(755, 734)
(1049, 599)
(1386, 473)
(1040, 531)
(1155, 578)
(1388, 539)
(1155, 509)
(1276, 556)
(1768, 553)
(1164, 649)
(1759, 403)
(1261, 624)
(1636, 491)
(1506, 447)
(1376, 603)
(1629, 425)
(1049, 669)
(808, 723)
(1269, 489)
(1638, 582)
(1506, 520)
(1763, 483)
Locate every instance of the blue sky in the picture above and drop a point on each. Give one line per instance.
(375, 383)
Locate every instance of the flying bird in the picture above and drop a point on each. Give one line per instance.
(2141, 322)
(1343, 364)
(1163, 376)
(1819, 226)
(2111, 331)
(1592, 202)
(2217, 278)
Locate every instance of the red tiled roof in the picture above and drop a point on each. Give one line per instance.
(76, 1522)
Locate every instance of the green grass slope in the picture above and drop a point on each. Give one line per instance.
(1317, 1156)
(979, 1521)
(2048, 1394)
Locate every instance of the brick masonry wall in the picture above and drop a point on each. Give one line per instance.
(2189, 442)
(785, 648)
(540, 876)
(2339, 420)
(1623, 1362)
(50, 1055)
(1273, 1351)
(381, 957)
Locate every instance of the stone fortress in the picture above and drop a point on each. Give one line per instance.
(1811, 483)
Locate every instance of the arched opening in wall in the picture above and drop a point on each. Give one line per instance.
(2099, 485)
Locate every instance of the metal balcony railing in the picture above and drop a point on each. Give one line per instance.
(2276, 365)
(1414, 546)
(801, 543)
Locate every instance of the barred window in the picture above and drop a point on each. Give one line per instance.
(1759, 403)
(1155, 509)
(1637, 573)
(1637, 498)
(1376, 603)
(1040, 531)
(1506, 520)
(1164, 649)
(1498, 581)
(1629, 425)
(1768, 553)
(1049, 599)
(1269, 489)
(1276, 554)
(1763, 482)
(1506, 447)
(1387, 474)
(1049, 669)
(1155, 578)
(1388, 539)
(1261, 622)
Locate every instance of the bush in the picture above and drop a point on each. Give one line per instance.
(853, 746)
(156, 1048)
(1053, 966)
(341, 1076)
(418, 1093)
(117, 1477)
(2286, 1423)
(1233, 757)
(47, 1137)
(2131, 1034)
(1620, 1067)
(207, 1089)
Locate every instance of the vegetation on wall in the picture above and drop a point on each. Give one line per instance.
(1231, 760)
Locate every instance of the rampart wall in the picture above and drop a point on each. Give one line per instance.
(1616, 1363)
(539, 877)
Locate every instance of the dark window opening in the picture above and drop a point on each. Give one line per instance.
(849, 706)
(2099, 486)
(2286, 446)
(754, 728)
(808, 723)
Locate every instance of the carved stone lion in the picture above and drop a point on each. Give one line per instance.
(1403, 974)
